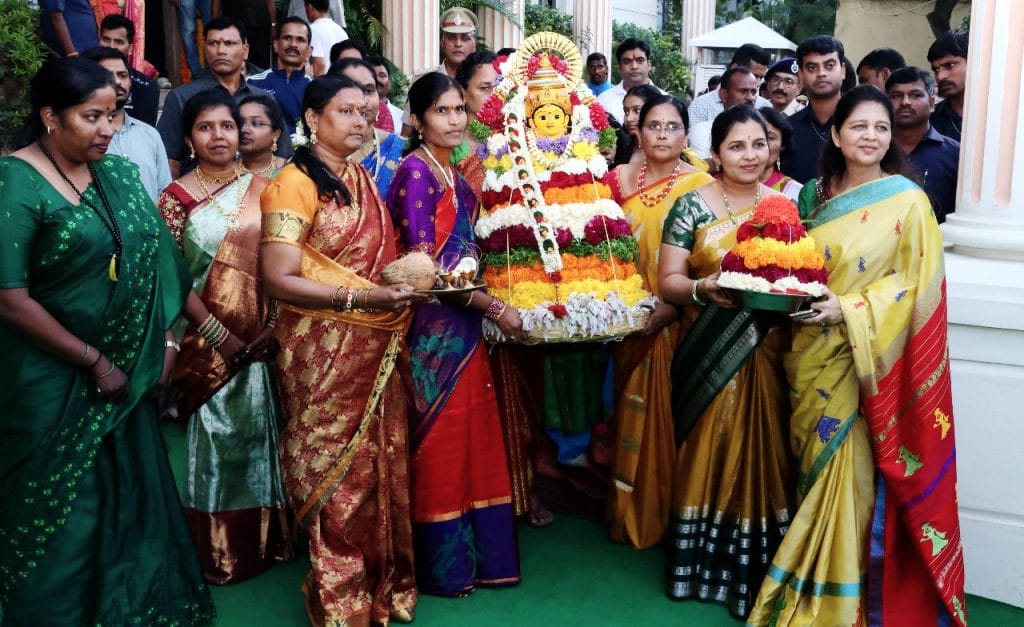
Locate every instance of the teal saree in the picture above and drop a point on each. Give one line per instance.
(91, 529)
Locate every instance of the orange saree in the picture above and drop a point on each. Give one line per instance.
(344, 448)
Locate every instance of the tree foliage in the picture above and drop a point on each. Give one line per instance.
(21, 56)
(541, 18)
(671, 71)
(794, 19)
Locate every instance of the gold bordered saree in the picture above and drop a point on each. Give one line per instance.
(645, 450)
(731, 494)
(344, 448)
(876, 538)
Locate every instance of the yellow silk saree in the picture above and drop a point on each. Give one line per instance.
(876, 539)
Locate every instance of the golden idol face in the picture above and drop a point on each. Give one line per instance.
(550, 122)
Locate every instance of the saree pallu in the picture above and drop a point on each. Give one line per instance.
(783, 184)
(344, 446)
(463, 521)
(731, 495)
(872, 399)
(381, 157)
(91, 530)
(234, 500)
(644, 453)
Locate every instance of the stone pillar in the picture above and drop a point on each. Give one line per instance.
(698, 18)
(985, 283)
(592, 27)
(413, 40)
(497, 30)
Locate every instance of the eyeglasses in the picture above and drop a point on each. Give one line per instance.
(776, 80)
(256, 124)
(670, 127)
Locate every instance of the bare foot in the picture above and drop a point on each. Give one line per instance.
(538, 516)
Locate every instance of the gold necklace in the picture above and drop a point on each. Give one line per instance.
(654, 201)
(265, 172)
(230, 214)
(449, 177)
(728, 208)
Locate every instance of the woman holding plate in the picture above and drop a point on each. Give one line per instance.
(872, 418)
(731, 499)
(644, 456)
(463, 523)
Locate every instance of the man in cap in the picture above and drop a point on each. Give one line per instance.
(458, 41)
(783, 80)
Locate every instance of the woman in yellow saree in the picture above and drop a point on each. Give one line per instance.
(326, 238)
(876, 538)
(731, 498)
(644, 453)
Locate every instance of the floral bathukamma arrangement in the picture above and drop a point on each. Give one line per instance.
(555, 245)
(774, 255)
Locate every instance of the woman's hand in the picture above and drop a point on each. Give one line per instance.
(170, 357)
(830, 313)
(392, 297)
(232, 350)
(261, 348)
(111, 382)
(709, 291)
(511, 325)
(662, 316)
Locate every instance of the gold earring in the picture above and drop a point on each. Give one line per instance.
(778, 164)
(192, 153)
(273, 147)
(49, 130)
(312, 137)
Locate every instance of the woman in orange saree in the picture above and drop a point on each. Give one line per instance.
(876, 537)
(326, 238)
(731, 498)
(644, 453)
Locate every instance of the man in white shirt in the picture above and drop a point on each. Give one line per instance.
(326, 33)
(634, 59)
(739, 86)
(750, 56)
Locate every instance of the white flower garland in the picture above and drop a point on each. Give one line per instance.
(751, 283)
(573, 216)
(586, 316)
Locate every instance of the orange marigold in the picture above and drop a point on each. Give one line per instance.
(776, 209)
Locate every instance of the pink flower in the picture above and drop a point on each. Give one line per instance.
(601, 228)
(598, 116)
(558, 310)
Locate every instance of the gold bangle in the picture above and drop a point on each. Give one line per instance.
(109, 370)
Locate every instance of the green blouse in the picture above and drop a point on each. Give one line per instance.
(686, 216)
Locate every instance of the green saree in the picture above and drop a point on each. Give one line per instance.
(91, 530)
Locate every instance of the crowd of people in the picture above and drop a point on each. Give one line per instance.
(226, 269)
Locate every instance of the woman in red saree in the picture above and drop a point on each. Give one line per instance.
(326, 238)
(463, 523)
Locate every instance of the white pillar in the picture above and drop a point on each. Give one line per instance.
(698, 18)
(413, 40)
(985, 282)
(497, 30)
(592, 27)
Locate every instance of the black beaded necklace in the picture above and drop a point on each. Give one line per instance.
(108, 220)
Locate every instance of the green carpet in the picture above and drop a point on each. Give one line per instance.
(572, 575)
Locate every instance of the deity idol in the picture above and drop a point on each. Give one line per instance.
(555, 245)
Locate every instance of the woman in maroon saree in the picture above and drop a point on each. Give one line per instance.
(463, 523)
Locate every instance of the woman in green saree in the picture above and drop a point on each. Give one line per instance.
(731, 495)
(222, 383)
(91, 530)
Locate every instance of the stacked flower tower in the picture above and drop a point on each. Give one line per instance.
(554, 244)
(774, 254)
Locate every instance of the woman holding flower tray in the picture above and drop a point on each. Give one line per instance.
(731, 499)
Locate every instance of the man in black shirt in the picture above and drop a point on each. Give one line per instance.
(948, 57)
(822, 72)
(118, 32)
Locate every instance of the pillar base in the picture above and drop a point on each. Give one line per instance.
(986, 349)
(981, 236)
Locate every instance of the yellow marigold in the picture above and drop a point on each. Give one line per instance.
(574, 269)
(584, 150)
(491, 162)
(758, 252)
(530, 294)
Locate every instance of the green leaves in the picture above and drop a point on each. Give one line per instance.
(21, 56)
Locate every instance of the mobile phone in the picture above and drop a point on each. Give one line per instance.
(803, 314)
